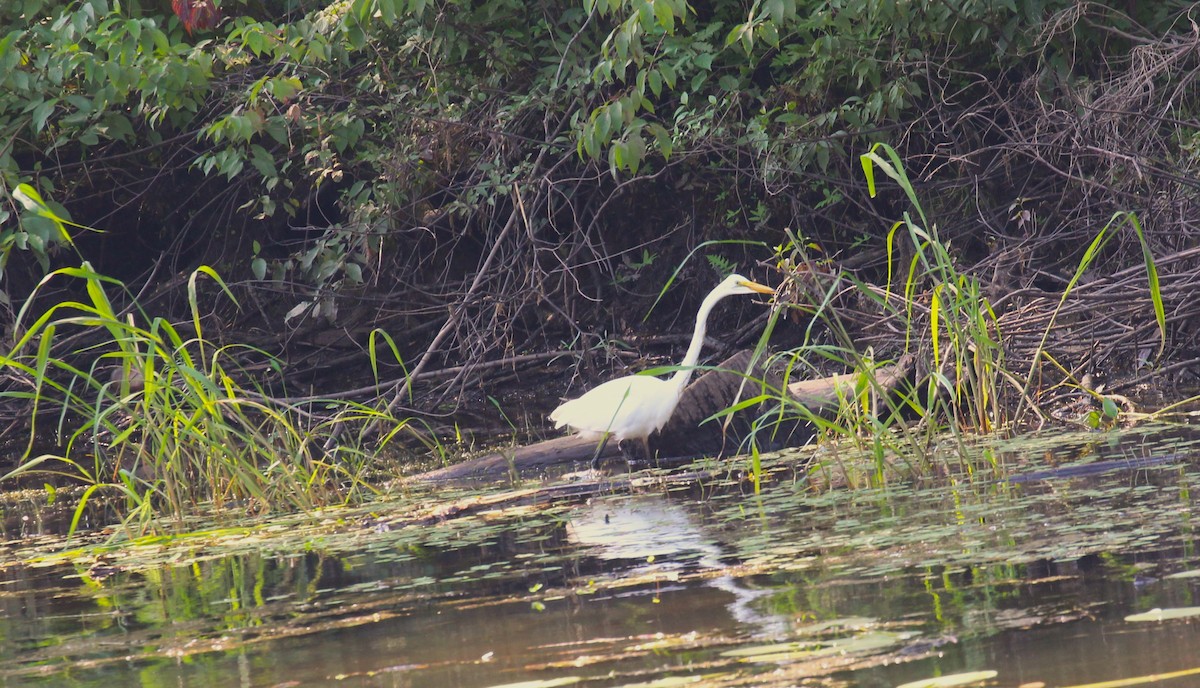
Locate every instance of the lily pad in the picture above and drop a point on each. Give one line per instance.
(548, 683)
(848, 623)
(1157, 614)
(797, 648)
(674, 681)
(951, 680)
(784, 652)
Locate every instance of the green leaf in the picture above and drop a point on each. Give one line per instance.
(387, 11)
(662, 138)
(589, 140)
(1110, 408)
(32, 200)
(355, 36)
(774, 10)
(285, 88)
(602, 123)
(361, 10)
(41, 112)
(39, 230)
(664, 16)
(769, 33)
(621, 44)
(823, 148)
(1156, 299)
(668, 72)
(616, 115)
(28, 196)
(654, 80)
(616, 157)
(635, 152)
(263, 161)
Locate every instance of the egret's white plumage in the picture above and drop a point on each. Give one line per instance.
(635, 406)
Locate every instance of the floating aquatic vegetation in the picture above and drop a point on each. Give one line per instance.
(953, 680)
(657, 587)
(1165, 614)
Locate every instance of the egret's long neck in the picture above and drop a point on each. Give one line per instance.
(680, 379)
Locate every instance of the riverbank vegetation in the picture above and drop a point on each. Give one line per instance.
(247, 244)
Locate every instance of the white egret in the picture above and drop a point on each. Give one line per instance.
(634, 406)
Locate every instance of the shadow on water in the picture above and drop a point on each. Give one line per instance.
(1028, 564)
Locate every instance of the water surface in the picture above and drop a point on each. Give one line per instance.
(1026, 559)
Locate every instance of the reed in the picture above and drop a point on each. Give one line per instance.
(966, 384)
(168, 423)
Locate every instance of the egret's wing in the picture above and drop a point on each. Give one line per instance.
(620, 407)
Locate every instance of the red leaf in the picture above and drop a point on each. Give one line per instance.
(197, 14)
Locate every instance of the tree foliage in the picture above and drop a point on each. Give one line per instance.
(441, 125)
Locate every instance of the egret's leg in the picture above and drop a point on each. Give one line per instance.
(629, 451)
(599, 449)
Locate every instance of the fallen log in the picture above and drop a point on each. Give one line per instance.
(686, 435)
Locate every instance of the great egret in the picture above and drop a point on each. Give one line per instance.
(634, 406)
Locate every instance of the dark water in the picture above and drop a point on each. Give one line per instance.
(672, 585)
